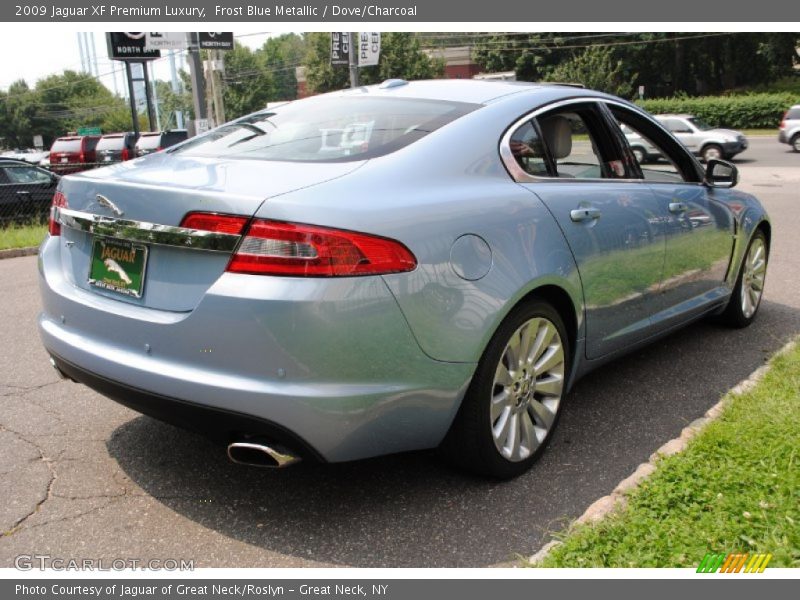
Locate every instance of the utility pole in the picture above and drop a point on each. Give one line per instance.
(353, 61)
(216, 85)
(197, 78)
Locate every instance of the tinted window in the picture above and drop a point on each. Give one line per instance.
(173, 137)
(794, 113)
(71, 145)
(328, 129)
(149, 142)
(111, 143)
(22, 174)
(528, 150)
(91, 143)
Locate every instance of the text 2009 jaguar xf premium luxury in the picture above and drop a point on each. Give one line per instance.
(390, 268)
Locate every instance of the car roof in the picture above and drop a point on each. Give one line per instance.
(675, 116)
(474, 91)
(14, 161)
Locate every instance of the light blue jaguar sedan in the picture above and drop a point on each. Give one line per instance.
(403, 266)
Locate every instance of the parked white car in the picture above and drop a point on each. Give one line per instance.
(789, 132)
(702, 139)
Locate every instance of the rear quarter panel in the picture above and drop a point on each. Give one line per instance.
(427, 196)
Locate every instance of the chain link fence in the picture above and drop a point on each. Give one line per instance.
(26, 190)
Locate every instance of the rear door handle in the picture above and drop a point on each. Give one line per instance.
(23, 193)
(584, 214)
(677, 207)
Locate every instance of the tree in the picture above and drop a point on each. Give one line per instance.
(248, 85)
(401, 57)
(281, 56)
(597, 68)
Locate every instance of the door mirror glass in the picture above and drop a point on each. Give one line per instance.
(721, 174)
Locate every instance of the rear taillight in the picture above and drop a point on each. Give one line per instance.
(82, 157)
(783, 120)
(277, 248)
(59, 201)
(159, 149)
(125, 154)
(218, 223)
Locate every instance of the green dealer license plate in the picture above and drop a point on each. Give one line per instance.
(119, 266)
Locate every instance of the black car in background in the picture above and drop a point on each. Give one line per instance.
(153, 141)
(116, 147)
(26, 192)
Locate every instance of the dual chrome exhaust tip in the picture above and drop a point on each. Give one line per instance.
(255, 454)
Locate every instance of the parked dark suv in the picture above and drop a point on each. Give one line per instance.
(73, 153)
(153, 141)
(116, 147)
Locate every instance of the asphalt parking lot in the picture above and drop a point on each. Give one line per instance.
(86, 478)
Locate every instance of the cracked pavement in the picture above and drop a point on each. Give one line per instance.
(83, 477)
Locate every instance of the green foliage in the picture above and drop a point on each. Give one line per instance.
(740, 112)
(321, 76)
(248, 84)
(597, 68)
(735, 489)
(401, 57)
(282, 55)
(665, 63)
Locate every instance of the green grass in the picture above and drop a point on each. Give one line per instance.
(770, 132)
(735, 489)
(21, 236)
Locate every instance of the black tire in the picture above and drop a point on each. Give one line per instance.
(470, 443)
(795, 142)
(710, 151)
(736, 313)
(640, 155)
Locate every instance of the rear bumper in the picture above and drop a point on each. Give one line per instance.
(329, 362)
(216, 423)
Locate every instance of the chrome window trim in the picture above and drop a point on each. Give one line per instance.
(142, 231)
(521, 176)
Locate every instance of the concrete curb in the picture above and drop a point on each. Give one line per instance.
(17, 252)
(618, 498)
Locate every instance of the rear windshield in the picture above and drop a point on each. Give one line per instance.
(111, 143)
(66, 145)
(149, 142)
(328, 129)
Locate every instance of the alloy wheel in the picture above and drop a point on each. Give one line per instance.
(527, 389)
(755, 269)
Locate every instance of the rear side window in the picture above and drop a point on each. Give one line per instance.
(794, 113)
(73, 145)
(111, 143)
(91, 143)
(329, 129)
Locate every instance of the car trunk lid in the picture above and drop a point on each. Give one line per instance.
(144, 202)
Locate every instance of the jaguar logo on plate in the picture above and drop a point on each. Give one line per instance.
(119, 266)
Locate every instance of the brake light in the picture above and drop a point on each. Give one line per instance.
(277, 248)
(81, 157)
(125, 154)
(215, 222)
(783, 120)
(159, 149)
(59, 201)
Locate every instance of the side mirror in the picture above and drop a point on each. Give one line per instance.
(721, 174)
